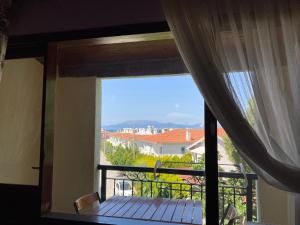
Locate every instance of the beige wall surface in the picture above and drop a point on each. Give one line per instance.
(74, 142)
(275, 206)
(20, 118)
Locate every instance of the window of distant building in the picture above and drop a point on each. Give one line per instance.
(182, 150)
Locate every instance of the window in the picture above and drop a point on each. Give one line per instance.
(158, 123)
(144, 120)
(156, 118)
(182, 150)
(149, 118)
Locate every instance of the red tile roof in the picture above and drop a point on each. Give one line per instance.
(173, 136)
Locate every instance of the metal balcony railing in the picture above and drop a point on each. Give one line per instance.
(236, 188)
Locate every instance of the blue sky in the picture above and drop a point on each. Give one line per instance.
(173, 99)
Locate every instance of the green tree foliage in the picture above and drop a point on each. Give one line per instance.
(230, 149)
(234, 156)
(162, 187)
(169, 185)
(106, 147)
(130, 155)
(120, 155)
(166, 185)
(250, 112)
(168, 161)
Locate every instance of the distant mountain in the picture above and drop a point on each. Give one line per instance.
(145, 123)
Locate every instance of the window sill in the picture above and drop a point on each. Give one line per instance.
(70, 219)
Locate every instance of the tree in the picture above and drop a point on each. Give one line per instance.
(105, 146)
(235, 157)
(230, 149)
(123, 155)
(167, 185)
(168, 161)
(250, 112)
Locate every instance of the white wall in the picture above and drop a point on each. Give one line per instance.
(154, 148)
(151, 148)
(148, 148)
(275, 206)
(171, 149)
(74, 142)
(20, 121)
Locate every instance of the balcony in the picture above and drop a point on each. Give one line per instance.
(234, 187)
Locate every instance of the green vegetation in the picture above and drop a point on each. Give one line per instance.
(162, 187)
(123, 156)
(230, 149)
(235, 157)
(233, 154)
(167, 161)
(131, 156)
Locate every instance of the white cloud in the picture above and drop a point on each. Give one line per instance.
(177, 105)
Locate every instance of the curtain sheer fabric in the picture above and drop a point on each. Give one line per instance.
(245, 58)
(4, 6)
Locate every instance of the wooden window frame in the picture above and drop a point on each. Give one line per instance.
(43, 45)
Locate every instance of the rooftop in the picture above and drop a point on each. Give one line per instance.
(168, 137)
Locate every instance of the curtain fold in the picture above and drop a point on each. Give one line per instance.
(245, 58)
(4, 6)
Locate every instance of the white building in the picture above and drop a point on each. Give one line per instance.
(198, 149)
(170, 142)
(149, 130)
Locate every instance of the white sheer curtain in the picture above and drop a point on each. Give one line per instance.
(4, 6)
(245, 58)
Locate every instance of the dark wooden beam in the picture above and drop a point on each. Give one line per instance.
(123, 58)
(47, 133)
(93, 52)
(35, 45)
(42, 134)
(126, 68)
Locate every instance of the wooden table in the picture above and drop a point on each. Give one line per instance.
(160, 210)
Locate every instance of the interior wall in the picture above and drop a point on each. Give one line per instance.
(74, 166)
(275, 206)
(20, 121)
(297, 209)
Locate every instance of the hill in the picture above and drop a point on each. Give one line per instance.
(145, 123)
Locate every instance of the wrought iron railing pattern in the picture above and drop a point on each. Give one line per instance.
(192, 186)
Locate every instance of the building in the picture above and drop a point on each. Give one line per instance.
(142, 131)
(69, 102)
(170, 142)
(197, 148)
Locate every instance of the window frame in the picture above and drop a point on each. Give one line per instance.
(41, 46)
